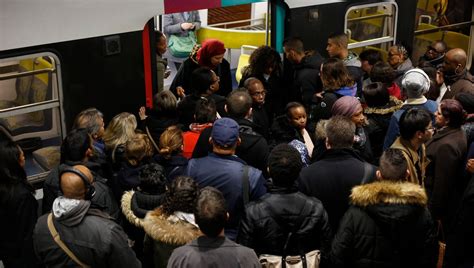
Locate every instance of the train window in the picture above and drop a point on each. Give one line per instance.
(30, 109)
(449, 21)
(371, 25)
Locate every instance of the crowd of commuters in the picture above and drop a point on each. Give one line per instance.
(367, 162)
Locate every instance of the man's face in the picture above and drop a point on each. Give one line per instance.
(366, 67)
(450, 67)
(161, 45)
(215, 82)
(434, 51)
(394, 57)
(428, 133)
(290, 55)
(257, 92)
(333, 49)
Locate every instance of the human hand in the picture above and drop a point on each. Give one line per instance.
(187, 26)
(470, 165)
(439, 78)
(141, 113)
(167, 73)
(180, 92)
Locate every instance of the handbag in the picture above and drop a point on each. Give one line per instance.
(181, 46)
(308, 260)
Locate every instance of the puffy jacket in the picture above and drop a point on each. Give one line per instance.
(268, 221)
(306, 77)
(388, 225)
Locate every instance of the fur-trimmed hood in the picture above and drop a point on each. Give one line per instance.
(390, 203)
(126, 205)
(158, 227)
(393, 106)
(387, 192)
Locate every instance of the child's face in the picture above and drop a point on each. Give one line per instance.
(298, 117)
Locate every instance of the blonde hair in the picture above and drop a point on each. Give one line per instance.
(171, 141)
(120, 129)
(138, 148)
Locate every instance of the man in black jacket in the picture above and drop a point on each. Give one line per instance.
(90, 234)
(254, 148)
(332, 176)
(285, 213)
(306, 65)
(77, 149)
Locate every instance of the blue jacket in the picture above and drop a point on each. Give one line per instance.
(225, 173)
(393, 130)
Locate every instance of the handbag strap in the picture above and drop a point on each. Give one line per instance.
(245, 185)
(57, 239)
(151, 139)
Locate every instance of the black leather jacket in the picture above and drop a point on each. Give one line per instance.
(268, 222)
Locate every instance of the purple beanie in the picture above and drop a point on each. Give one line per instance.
(345, 106)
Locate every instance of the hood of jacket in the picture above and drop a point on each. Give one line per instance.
(347, 91)
(352, 60)
(126, 205)
(70, 212)
(392, 106)
(158, 227)
(390, 202)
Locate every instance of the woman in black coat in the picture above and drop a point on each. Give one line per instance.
(18, 209)
(388, 224)
(210, 55)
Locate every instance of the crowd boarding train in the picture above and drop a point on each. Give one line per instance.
(60, 57)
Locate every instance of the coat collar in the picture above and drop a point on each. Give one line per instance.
(158, 227)
(443, 133)
(388, 192)
(126, 205)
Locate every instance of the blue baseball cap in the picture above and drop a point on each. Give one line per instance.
(225, 132)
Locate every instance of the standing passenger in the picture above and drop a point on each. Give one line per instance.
(18, 209)
(456, 76)
(161, 63)
(400, 62)
(388, 223)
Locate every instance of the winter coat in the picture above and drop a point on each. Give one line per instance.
(161, 65)
(182, 78)
(444, 175)
(267, 223)
(331, 178)
(401, 70)
(225, 173)
(393, 130)
(460, 239)
(416, 160)
(164, 234)
(276, 97)
(172, 23)
(306, 80)
(253, 149)
(157, 124)
(379, 119)
(388, 225)
(19, 212)
(353, 65)
(90, 234)
(174, 166)
(463, 82)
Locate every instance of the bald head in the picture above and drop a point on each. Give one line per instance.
(72, 185)
(457, 56)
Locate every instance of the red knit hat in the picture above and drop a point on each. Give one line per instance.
(209, 49)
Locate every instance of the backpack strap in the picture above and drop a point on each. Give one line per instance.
(245, 185)
(57, 239)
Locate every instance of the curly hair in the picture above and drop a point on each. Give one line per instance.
(181, 196)
(261, 59)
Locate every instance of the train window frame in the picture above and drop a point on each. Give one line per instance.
(390, 38)
(53, 105)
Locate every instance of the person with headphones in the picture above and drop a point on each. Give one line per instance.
(75, 234)
(456, 76)
(415, 83)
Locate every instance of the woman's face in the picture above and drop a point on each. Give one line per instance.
(440, 120)
(22, 160)
(216, 60)
(298, 117)
(358, 117)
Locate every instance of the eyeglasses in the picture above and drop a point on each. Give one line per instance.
(261, 93)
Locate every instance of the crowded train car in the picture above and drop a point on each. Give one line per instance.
(282, 133)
